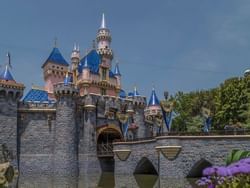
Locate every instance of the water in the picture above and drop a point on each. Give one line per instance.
(107, 180)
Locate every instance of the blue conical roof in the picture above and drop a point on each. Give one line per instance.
(154, 101)
(6, 75)
(117, 71)
(93, 62)
(56, 57)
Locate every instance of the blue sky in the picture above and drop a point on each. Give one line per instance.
(175, 45)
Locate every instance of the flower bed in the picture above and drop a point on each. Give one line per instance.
(235, 175)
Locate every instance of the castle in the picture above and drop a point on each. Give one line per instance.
(66, 129)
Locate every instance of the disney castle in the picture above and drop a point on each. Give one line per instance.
(66, 128)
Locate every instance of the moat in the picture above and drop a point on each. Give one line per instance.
(109, 180)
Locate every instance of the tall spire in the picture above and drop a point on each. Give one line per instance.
(75, 49)
(117, 71)
(103, 24)
(154, 101)
(8, 59)
(6, 75)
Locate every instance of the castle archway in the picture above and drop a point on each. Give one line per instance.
(105, 137)
(145, 166)
(197, 168)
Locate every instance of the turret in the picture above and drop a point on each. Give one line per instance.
(75, 60)
(103, 48)
(104, 39)
(84, 76)
(54, 69)
(10, 93)
(153, 113)
(117, 75)
(153, 108)
(139, 103)
(65, 162)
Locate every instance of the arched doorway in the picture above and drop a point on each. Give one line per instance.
(105, 137)
(198, 167)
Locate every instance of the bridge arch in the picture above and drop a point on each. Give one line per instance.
(105, 137)
(198, 167)
(145, 166)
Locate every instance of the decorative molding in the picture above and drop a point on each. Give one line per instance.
(169, 152)
(122, 154)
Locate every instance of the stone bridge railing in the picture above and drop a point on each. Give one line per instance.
(179, 155)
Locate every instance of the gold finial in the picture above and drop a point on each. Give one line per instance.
(55, 42)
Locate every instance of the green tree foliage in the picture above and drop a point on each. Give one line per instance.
(232, 102)
(228, 104)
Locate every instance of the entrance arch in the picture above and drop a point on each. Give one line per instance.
(198, 167)
(145, 166)
(105, 137)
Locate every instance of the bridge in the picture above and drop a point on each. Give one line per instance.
(177, 154)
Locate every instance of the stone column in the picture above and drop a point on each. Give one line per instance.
(89, 164)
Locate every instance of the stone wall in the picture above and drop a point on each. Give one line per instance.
(8, 126)
(213, 149)
(35, 138)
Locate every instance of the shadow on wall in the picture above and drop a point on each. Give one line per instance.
(198, 167)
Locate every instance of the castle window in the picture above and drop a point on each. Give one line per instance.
(103, 91)
(57, 67)
(104, 74)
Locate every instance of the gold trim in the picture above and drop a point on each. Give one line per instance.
(169, 152)
(110, 126)
(90, 106)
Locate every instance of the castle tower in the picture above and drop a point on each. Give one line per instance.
(154, 107)
(139, 103)
(54, 70)
(75, 60)
(117, 75)
(66, 135)
(103, 48)
(88, 160)
(153, 112)
(10, 93)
